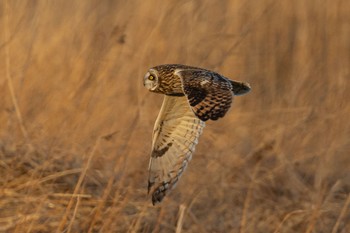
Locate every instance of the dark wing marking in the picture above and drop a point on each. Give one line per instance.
(209, 94)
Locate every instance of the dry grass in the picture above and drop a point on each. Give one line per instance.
(76, 121)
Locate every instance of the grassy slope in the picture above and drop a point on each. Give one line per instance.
(278, 162)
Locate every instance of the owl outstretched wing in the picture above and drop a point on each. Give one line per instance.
(175, 136)
(209, 94)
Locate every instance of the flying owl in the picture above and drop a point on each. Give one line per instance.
(192, 96)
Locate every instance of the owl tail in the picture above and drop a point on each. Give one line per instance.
(240, 88)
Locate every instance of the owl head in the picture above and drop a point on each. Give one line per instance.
(151, 80)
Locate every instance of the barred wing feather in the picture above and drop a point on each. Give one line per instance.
(175, 136)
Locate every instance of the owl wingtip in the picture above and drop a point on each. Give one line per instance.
(150, 185)
(157, 196)
(159, 193)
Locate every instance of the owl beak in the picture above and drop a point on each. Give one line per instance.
(145, 79)
(146, 82)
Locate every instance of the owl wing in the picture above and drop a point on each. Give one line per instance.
(209, 94)
(175, 136)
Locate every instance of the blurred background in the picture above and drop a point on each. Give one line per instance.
(76, 122)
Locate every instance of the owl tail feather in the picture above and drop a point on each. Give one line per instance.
(240, 88)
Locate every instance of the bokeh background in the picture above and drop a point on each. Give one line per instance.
(76, 121)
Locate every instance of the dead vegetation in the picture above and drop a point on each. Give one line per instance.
(76, 121)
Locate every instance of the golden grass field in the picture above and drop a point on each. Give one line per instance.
(76, 121)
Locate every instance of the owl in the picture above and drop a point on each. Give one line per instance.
(191, 97)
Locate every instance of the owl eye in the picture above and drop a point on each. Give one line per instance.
(151, 77)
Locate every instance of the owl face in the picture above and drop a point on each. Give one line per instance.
(151, 80)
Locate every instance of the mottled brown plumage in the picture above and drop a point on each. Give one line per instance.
(192, 96)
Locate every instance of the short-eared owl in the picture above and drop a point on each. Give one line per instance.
(192, 96)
